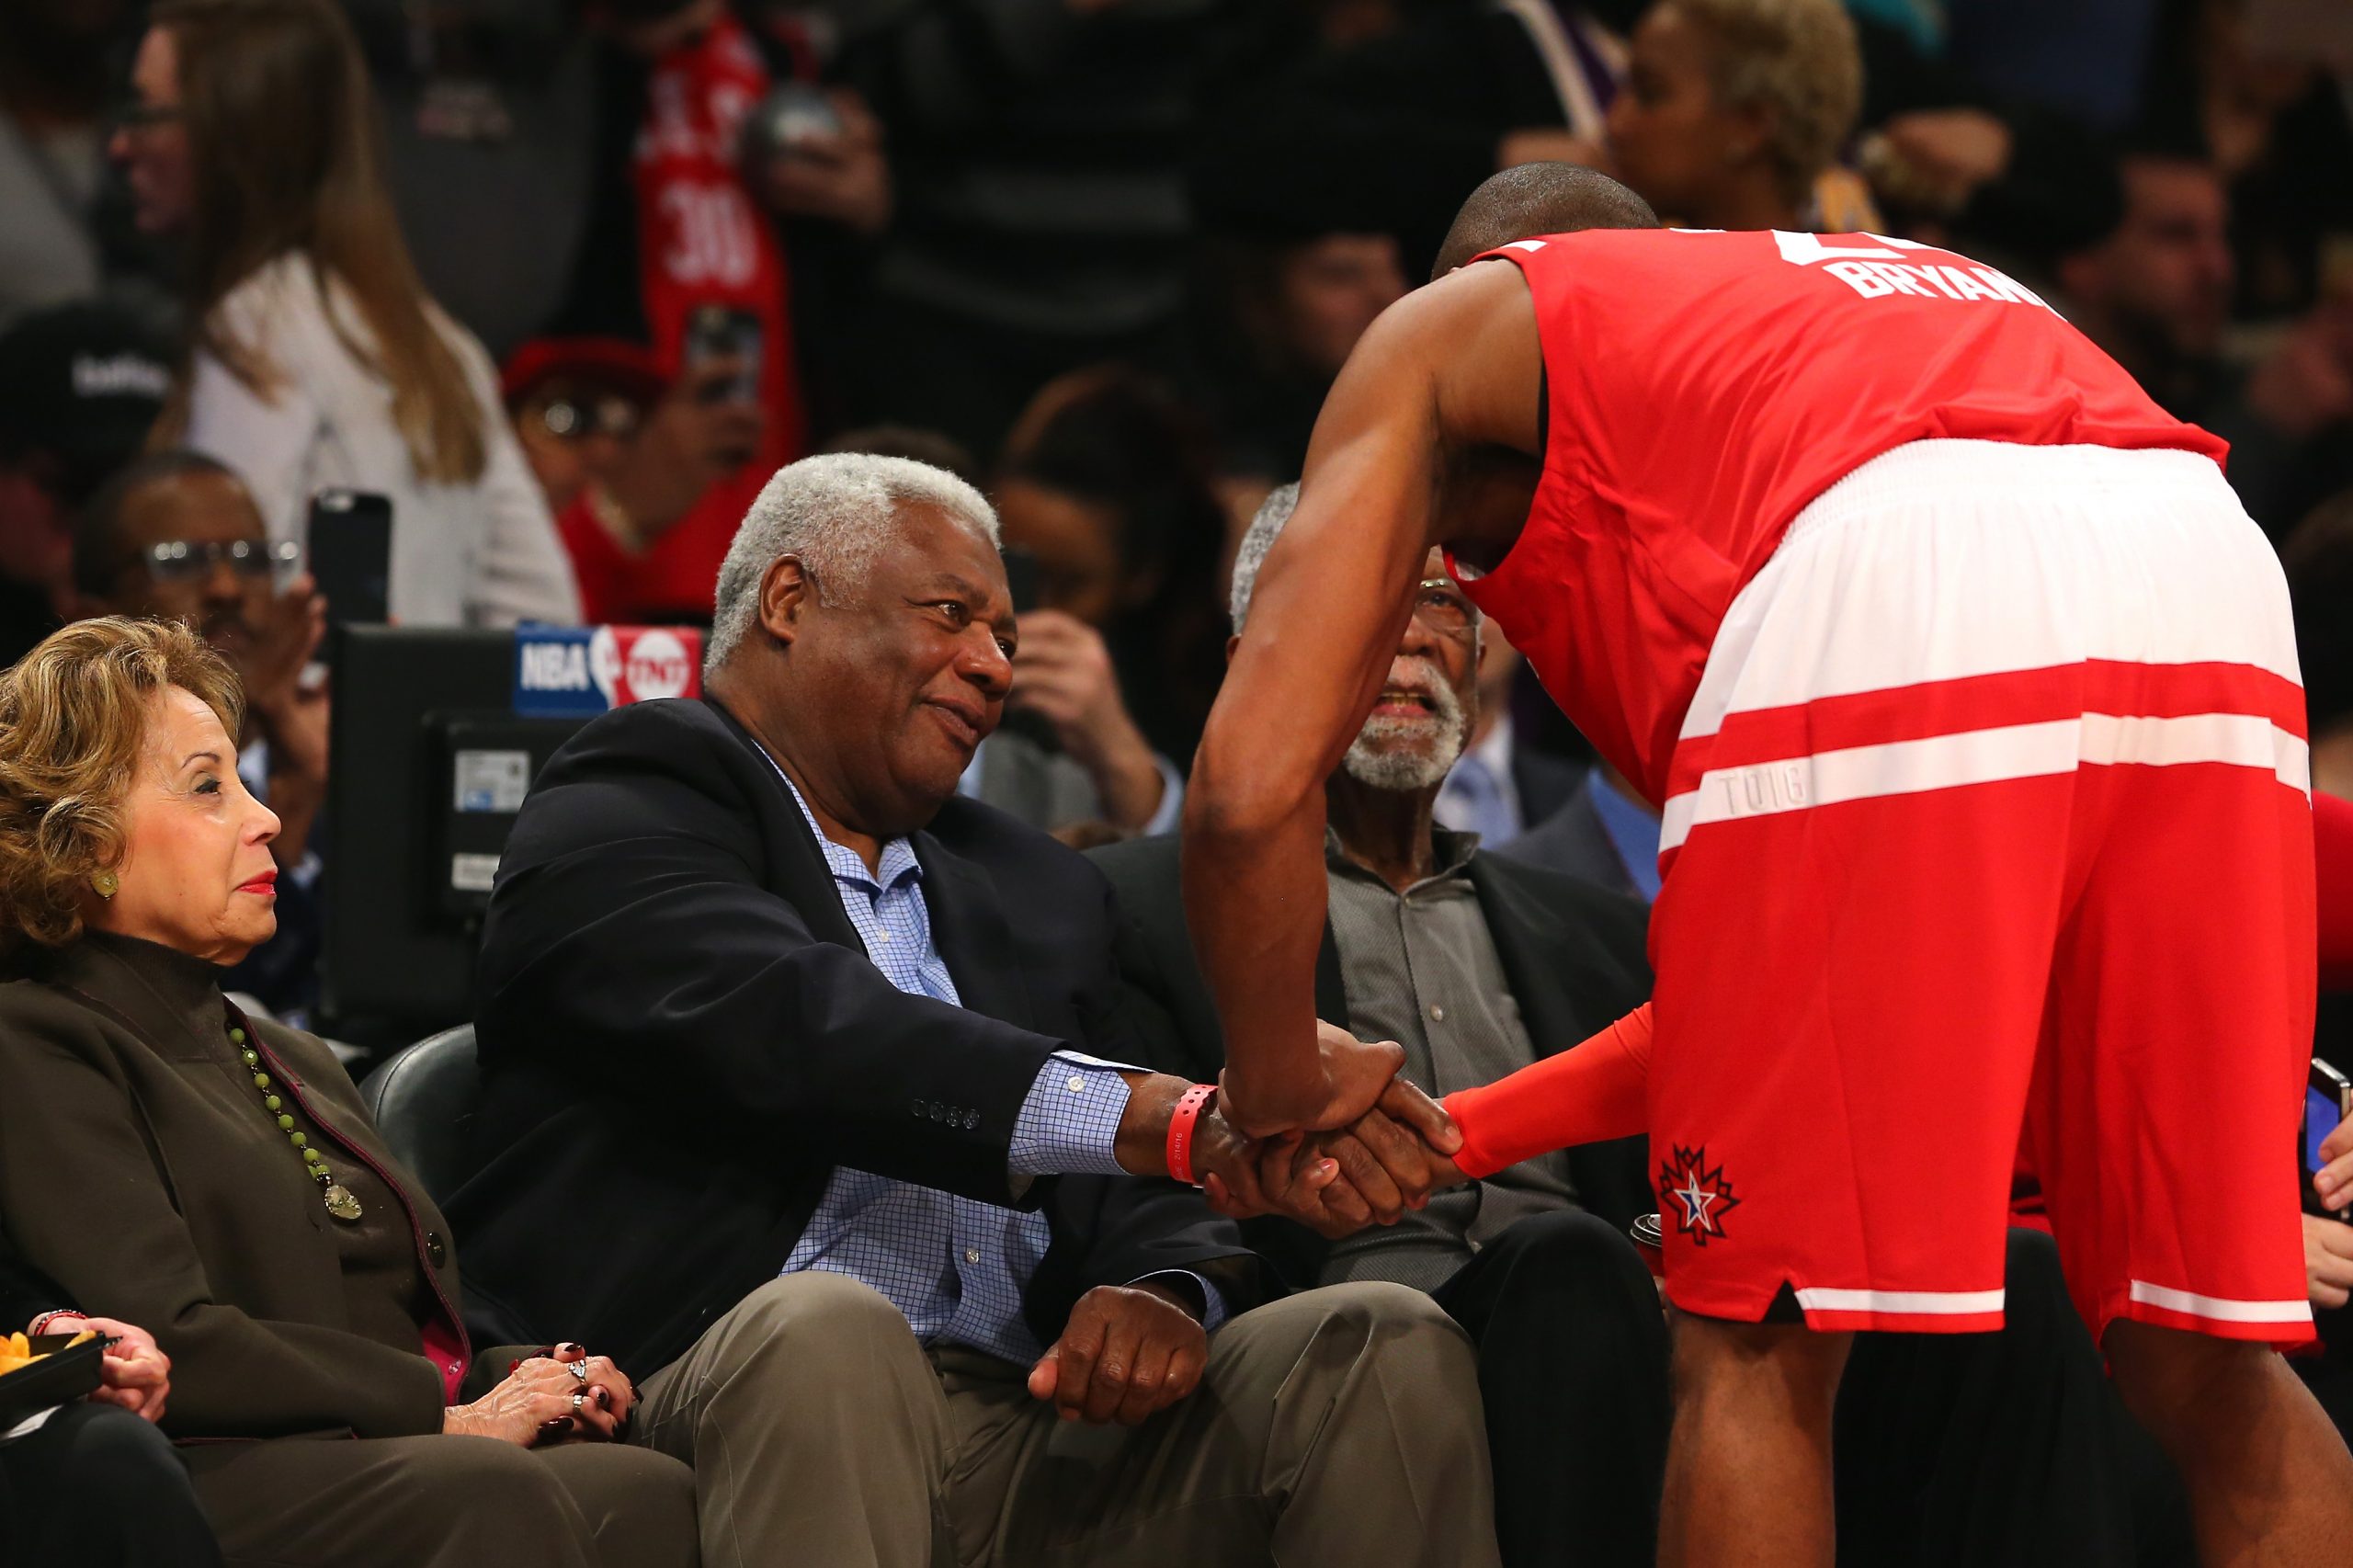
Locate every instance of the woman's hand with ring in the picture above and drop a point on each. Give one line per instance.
(540, 1398)
(599, 1372)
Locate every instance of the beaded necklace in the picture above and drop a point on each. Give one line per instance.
(339, 1200)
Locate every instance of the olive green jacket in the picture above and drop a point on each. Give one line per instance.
(138, 1171)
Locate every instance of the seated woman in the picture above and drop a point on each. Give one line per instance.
(169, 1161)
(95, 1482)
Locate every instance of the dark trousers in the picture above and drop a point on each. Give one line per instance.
(98, 1487)
(2003, 1449)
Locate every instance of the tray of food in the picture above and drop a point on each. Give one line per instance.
(45, 1370)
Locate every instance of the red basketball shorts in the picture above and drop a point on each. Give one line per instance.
(1989, 834)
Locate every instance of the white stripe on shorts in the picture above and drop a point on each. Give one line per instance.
(1941, 1303)
(2222, 1309)
(1982, 756)
(2071, 553)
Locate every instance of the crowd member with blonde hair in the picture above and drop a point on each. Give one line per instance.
(1734, 114)
(317, 360)
(168, 1161)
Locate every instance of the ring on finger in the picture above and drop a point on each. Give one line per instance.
(579, 1403)
(579, 1370)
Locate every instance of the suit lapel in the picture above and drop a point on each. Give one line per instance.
(971, 928)
(1550, 969)
(798, 873)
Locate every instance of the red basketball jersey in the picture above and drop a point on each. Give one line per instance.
(1703, 386)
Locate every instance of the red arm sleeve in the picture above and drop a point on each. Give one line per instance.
(1596, 1089)
(2333, 844)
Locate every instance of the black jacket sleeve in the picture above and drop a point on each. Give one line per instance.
(634, 937)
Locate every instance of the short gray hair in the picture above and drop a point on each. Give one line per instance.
(1250, 554)
(836, 512)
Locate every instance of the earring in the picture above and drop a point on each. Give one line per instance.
(106, 884)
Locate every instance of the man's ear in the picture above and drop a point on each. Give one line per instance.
(786, 592)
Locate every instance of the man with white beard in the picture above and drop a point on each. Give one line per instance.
(1477, 966)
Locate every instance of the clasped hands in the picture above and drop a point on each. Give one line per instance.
(1374, 1147)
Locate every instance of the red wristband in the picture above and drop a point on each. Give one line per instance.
(41, 1325)
(1180, 1131)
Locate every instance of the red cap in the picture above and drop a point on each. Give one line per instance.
(627, 367)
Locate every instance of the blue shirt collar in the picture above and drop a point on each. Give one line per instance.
(1633, 832)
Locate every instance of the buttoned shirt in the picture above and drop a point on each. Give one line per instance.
(1420, 968)
(955, 1265)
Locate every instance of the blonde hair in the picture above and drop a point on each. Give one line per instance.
(281, 126)
(73, 719)
(1798, 62)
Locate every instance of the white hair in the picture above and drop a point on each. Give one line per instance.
(1273, 513)
(835, 513)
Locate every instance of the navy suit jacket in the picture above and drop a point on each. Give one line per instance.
(681, 1037)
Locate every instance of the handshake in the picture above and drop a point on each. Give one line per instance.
(1367, 1148)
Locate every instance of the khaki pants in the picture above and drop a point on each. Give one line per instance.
(1341, 1426)
(443, 1502)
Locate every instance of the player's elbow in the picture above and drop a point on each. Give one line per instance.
(1240, 801)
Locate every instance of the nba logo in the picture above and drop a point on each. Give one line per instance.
(577, 671)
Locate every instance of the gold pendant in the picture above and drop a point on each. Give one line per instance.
(340, 1203)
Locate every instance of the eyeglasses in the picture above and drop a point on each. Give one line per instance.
(1439, 605)
(185, 559)
(577, 419)
(136, 117)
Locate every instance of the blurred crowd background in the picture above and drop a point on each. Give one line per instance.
(567, 280)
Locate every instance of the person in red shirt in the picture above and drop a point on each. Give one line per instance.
(1970, 699)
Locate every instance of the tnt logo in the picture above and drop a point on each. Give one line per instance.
(562, 672)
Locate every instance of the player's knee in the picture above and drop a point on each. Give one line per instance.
(1786, 1363)
(2173, 1379)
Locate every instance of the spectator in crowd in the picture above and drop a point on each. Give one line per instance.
(80, 387)
(490, 121)
(176, 536)
(576, 403)
(1500, 788)
(56, 70)
(776, 895)
(1037, 154)
(2005, 1448)
(1734, 111)
(1605, 833)
(96, 1482)
(317, 359)
(1301, 251)
(702, 145)
(300, 1284)
(2154, 291)
(615, 443)
(1106, 482)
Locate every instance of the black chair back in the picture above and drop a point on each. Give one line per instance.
(423, 1101)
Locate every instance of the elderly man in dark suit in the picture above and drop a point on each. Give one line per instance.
(2002, 1448)
(805, 1033)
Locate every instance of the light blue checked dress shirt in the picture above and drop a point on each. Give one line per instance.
(956, 1266)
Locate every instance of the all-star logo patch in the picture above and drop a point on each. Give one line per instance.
(1696, 1194)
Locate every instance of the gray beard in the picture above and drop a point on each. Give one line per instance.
(1427, 753)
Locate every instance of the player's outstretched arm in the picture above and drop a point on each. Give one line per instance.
(1597, 1089)
(1324, 619)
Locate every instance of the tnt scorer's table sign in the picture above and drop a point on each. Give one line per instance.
(565, 672)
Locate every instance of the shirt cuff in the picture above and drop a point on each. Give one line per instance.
(1212, 1304)
(1070, 1123)
(1172, 800)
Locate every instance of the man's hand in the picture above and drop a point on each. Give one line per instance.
(277, 644)
(1127, 1352)
(1337, 1183)
(134, 1373)
(1357, 1076)
(2328, 1260)
(1062, 671)
(843, 178)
